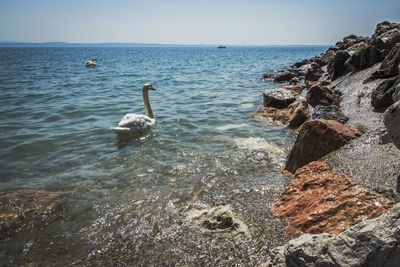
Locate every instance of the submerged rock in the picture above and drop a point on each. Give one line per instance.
(22, 210)
(219, 220)
(331, 112)
(316, 139)
(373, 242)
(278, 98)
(322, 201)
(321, 95)
(293, 116)
(391, 119)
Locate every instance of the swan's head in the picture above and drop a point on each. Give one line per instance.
(94, 60)
(148, 86)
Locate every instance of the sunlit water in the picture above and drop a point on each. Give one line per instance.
(206, 149)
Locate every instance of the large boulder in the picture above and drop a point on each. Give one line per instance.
(314, 72)
(385, 37)
(292, 116)
(278, 98)
(24, 209)
(375, 242)
(336, 67)
(382, 95)
(317, 138)
(283, 77)
(391, 119)
(332, 112)
(362, 56)
(321, 95)
(322, 201)
(390, 65)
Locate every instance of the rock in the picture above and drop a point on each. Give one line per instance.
(362, 56)
(293, 116)
(336, 67)
(390, 65)
(321, 95)
(301, 63)
(282, 77)
(220, 220)
(328, 56)
(382, 95)
(331, 112)
(317, 138)
(314, 72)
(325, 82)
(391, 119)
(278, 98)
(374, 242)
(322, 201)
(294, 81)
(22, 210)
(396, 94)
(294, 89)
(268, 77)
(385, 37)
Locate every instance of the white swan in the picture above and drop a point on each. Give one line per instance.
(91, 63)
(138, 123)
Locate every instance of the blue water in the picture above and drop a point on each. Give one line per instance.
(55, 131)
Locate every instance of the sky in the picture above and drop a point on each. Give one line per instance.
(230, 22)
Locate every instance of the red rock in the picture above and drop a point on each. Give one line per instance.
(321, 95)
(321, 201)
(292, 116)
(295, 89)
(317, 138)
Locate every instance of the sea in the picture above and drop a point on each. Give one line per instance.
(125, 200)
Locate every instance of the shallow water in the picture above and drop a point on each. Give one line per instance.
(207, 148)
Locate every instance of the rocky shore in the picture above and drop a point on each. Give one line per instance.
(345, 162)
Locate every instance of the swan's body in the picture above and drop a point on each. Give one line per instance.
(91, 63)
(138, 123)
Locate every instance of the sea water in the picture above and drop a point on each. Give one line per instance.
(56, 117)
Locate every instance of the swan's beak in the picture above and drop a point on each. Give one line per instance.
(152, 88)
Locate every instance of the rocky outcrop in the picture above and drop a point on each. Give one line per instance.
(314, 72)
(278, 98)
(22, 210)
(374, 242)
(282, 77)
(317, 138)
(321, 95)
(391, 119)
(385, 37)
(362, 56)
(331, 112)
(336, 67)
(382, 96)
(321, 201)
(390, 65)
(292, 116)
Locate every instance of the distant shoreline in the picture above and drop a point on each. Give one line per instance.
(116, 44)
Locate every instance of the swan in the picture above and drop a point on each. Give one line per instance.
(91, 63)
(138, 123)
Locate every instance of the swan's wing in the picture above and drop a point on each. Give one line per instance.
(138, 121)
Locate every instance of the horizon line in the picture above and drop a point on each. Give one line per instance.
(61, 43)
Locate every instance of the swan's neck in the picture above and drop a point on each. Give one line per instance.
(147, 107)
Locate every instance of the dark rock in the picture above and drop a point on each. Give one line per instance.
(382, 95)
(332, 112)
(390, 65)
(268, 77)
(301, 63)
(316, 139)
(321, 95)
(396, 94)
(292, 116)
(374, 242)
(385, 37)
(322, 201)
(282, 77)
(314, 72)
(294, 81)
(391, 119)
(362, 56)
(278, 98)
(336, 67)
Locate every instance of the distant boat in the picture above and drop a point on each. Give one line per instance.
(221, 46)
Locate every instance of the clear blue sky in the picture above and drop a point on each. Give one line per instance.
(253, 22)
